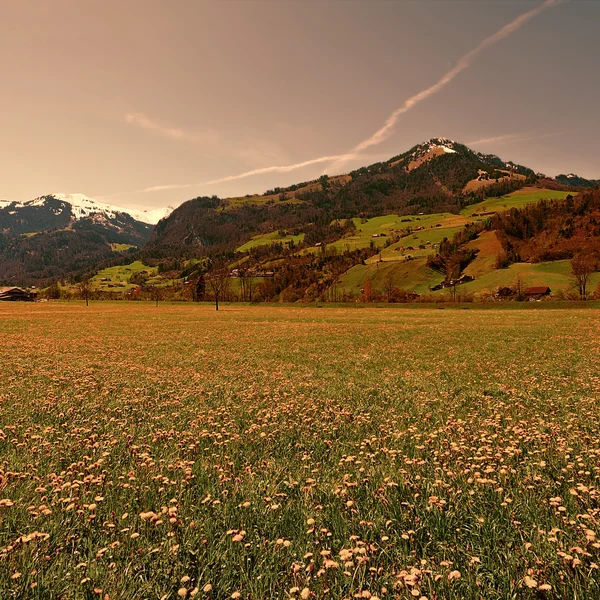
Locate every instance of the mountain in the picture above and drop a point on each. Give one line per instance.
(440, 175)
(575, 181)
(60, 210)
(59, 234)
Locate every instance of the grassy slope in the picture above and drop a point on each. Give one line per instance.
(489, 247)
(411, 275)
(462, 443)
(269, 238)
(414, 275)
(518, 199)
(121, 247)
(555, 274)
(119, 274)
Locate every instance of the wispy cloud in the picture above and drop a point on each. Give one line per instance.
(513, 137)
(465, 62)
(378, 136)
(162, 188)
(275, 169)
(139, 119)
(499, 138)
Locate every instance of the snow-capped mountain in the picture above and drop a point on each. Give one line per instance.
(79, 206)
(64, 233)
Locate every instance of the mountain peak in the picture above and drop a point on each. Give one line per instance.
(83, 206)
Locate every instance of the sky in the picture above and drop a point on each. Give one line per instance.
(148, 103)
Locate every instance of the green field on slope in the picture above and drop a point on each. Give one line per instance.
(555, 274)
(267, 239)
(518, 199)
(413, 275)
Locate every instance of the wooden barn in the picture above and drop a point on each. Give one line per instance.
(535, 293)
(14, 294)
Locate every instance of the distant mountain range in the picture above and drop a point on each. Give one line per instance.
(53, 211)
(58, 235)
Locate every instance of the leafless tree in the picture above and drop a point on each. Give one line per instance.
(218, 281)
(389, 284)
(452, 275)
(519, 289)
(156, 293)
(85, 289)
(582, 266)
(246, 286)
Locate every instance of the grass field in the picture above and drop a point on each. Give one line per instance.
(264, 452)
(411, 275)
(120, 275)
(518, 199)
(269, 238)
(556, 275)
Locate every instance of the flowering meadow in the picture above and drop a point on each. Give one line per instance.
(277, 452)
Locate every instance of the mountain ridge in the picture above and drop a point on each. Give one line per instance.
(64, 234)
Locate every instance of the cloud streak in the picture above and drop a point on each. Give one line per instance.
(141, 120)
(464, 62)
(513, 137)
(379, 136)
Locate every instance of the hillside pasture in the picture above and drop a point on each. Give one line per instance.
(267, 239)
(555, 274)
(488, 248)
(120, 275)
(410, 275)
(518, 199)
(312, 453)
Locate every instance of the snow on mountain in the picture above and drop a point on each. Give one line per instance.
(82, 207)
(151, 216)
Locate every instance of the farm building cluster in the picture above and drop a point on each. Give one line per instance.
(16, 294)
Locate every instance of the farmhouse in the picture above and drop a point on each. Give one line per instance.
(504, 292)
(537, 292)
(15, 294)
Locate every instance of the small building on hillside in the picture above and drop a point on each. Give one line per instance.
(13, 294)
(504, 292)
(537, 292)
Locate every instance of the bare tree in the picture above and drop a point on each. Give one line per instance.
(246, 286)
(389, 284)
(218, 281)
(156, 293)
(85, 289)
(452, 275)
(519, 289)
(582, 266)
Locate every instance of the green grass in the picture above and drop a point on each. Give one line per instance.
(267, 239)
(517, 199)
(362, 452)
(430, 238)
(120, 275)
(411, 275)
(554, 274)
(121, 247)
(258, 200)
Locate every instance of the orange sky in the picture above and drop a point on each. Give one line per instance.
(141, 103)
